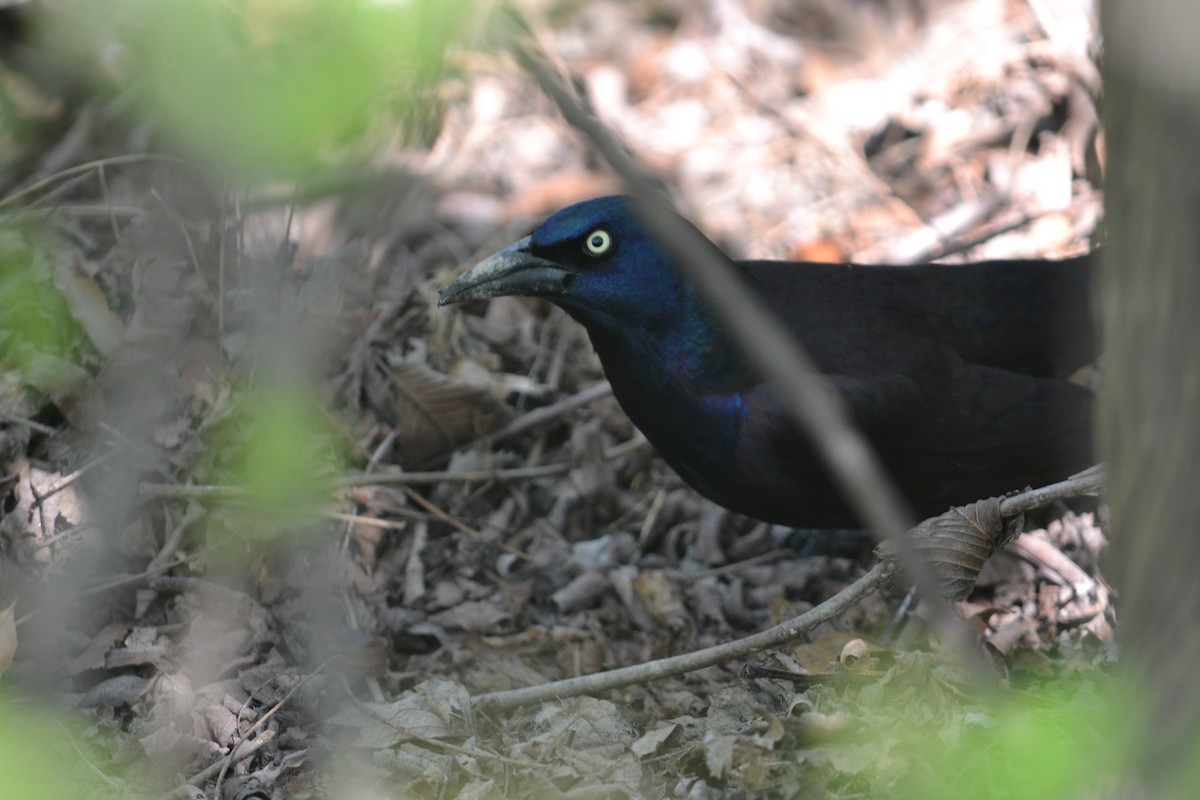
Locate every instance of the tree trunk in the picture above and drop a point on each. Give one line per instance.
(1150, 419)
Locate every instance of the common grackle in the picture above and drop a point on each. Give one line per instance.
(956, 373)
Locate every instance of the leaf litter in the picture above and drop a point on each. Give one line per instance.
(343, 634)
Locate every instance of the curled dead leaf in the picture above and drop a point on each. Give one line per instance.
(956, 544)
(855, 654)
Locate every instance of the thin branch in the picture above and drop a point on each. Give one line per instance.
(245, 747)
(530, 420)
(1086, 482)
(46, 430)
(764, 341)
(229, 492)
(999, 228)
(139, 580)
(546, 414)
(677, 665)
(244, 750)
(80, 169)
(70, 478)
(1090, 481)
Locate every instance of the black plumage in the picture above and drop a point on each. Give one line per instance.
(956, 373)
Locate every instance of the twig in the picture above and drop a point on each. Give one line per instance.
(382, 450)
(174, 491)
(922, 244)
(762, 339)
(228, 492)
(541, 416)
(187, 237)
(1043, 553)
(476, 476)
(79, 169)
(70, 478)
(362, 519)
(66, 533)
(1090, 481)
(32, 424)
(108, 206)
(677, 665)
(171, 540)
(221, 249)
(240, 753)
(458, 525)
(118, 582)
(531, 419)
(232, 492)
(735, 567)
(87, 761)
(431, 508)
(959, 245)
(83, 210)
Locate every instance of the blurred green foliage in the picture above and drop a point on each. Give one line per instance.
(41, 344)
(34, 316)
(279, 446)
(918, 735)
(268, 88)
(1069, 739)
(48, 758)
(924, 731)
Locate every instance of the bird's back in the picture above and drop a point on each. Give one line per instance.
(954, 373)
(1026, 316)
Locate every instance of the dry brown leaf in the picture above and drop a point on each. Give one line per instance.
(653, 742)
(115, 692)
(475, 616)
(87, 303)
(433, 710)
(662, 599)
(957, 544)
(430, 412)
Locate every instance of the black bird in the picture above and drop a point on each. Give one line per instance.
(956, 373)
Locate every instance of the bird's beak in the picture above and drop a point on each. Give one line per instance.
(512, 271)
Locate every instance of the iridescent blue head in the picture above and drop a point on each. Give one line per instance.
(671, 368)
(595, 259)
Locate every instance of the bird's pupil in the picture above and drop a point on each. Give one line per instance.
(597, 242)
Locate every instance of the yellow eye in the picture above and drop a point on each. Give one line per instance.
(598, 242)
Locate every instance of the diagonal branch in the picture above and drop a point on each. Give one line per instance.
(677, 665)
(762, 339)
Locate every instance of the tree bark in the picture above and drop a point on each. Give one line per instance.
(1150, 417)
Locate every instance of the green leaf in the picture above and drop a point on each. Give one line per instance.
(268, 88)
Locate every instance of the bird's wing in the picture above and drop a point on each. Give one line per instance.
(976, 433)
(1030, 317)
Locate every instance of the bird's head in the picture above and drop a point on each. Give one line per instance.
(595, 259)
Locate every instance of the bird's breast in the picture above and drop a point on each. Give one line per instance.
(694, 430)
(728, 445)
